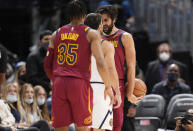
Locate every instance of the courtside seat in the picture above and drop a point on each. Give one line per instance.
(176, 97)
(150, 112)
(178, 108)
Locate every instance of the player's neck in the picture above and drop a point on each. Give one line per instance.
(77, 22)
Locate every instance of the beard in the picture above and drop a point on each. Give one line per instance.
(109, 28)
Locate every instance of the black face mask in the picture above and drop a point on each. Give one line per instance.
(44, 47)
(172, 77)
(22, 77)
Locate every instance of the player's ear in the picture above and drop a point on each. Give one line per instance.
(114, 21)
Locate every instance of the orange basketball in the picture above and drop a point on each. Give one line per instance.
(140, 88)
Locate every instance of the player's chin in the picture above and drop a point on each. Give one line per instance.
(105, 30)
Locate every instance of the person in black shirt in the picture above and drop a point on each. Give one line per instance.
(172, 85)
(34, 67)
(157, 69)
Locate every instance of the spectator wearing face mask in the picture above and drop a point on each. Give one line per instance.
(157, 69)
(41, 96)
(11, 96)
(172, 85)
(19, 75)
(34, 67)
(29, 109)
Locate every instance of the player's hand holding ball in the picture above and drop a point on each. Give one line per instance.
(139, 91)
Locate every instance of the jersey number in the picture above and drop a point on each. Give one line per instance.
(67, 54)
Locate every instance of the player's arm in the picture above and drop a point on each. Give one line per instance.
(95, 40)
(48, 61)
(109, 52)
(130, 57)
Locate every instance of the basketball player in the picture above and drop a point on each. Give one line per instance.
(102, 112)
(124, 51)
(68, 64)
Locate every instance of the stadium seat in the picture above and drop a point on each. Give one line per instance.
(178, 108)
(171, 102)
(176, 97)
(150, 112)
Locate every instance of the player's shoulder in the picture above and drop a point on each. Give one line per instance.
(126, 38)
(90, 30)
(127, 34)
(93, 33)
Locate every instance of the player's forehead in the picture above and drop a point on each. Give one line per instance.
(106, 16)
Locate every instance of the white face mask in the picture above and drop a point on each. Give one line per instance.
(11, 98)
(29, 101)
(164, 56)
(40, 101)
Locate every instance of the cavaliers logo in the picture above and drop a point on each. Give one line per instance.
(88, 120)
(111, 122)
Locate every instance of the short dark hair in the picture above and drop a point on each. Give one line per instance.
(93, 20)
(44, 33)
(109, 10)
(76, 9)
(164, 43)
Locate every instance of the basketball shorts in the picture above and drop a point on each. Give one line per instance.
(118, 113)
(102, 116)
(72, 102)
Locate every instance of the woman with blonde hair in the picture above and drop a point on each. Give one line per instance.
(29, 107)
(11, 96)
(41, 97)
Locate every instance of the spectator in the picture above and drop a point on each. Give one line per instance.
(11, 95)
(129, 114)
(41, 96)
(157, 69)
(7, 121)
(172, 85)
(7, 118)
(19, 75)
(34, 67)
(29, 108)
(182, 126)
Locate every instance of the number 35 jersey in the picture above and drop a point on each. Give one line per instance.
(72, 52)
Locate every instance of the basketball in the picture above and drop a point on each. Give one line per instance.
(140, 88)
